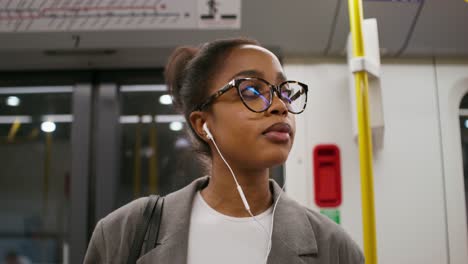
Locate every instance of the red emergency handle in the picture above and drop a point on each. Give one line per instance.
(327, 175)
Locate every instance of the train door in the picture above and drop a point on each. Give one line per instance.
(452, 89)
(75, 146)
(41, 116)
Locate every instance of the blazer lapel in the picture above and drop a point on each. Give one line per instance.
(172, 241)
(293, 239)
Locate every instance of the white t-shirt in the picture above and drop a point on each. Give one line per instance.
(216, 238)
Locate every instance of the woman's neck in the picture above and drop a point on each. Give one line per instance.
(221, 193)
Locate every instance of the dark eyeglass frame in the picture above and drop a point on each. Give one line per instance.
(273, 89)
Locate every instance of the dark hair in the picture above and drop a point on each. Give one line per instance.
(188, 75)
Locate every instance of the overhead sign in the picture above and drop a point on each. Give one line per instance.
(219, 14)
(100, 15)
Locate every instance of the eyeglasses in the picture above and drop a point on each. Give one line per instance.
(257, 94)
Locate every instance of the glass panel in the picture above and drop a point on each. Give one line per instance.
(156, 155)
(35, 124)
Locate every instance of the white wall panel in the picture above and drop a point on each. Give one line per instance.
(408, 171)
(327, 119)
(410, 205)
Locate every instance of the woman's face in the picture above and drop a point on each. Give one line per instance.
(250, 140)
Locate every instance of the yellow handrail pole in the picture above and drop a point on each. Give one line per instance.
(137, 161)
(13, 130)
(364, 136)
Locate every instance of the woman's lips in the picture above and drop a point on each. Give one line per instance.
(278, 132)
(276, 136)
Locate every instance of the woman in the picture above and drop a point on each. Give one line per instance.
(240, 108)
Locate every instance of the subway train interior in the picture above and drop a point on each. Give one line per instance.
(87, 123)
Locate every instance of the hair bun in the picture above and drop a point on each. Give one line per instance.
(174, 71)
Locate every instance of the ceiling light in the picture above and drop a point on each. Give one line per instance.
(133, 119)
(13, 101)
(165, 99)
(13, 119)
(48, 127)
(130, 119)
(182, 143)
(176, 126)
(58, 118)
(147, 119)
(36, 90)
(169, 118)
(143, 88)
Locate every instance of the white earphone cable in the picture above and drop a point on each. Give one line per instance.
(239, 189)
(244, 199)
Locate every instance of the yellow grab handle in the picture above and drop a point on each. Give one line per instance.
(364, 136)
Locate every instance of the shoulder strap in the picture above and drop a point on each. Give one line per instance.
(155, 222)
(141, 228)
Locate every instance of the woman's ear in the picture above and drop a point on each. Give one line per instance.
(197, 120)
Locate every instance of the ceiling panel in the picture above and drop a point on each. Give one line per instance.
(393, 18)
(293, 28)
(298, 26)
(442, 29)
(96, 59)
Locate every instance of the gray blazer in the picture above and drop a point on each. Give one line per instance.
(300, 235)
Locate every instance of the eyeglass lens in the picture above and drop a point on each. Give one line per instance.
(257, 95)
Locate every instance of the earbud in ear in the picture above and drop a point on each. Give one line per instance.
(207, 131)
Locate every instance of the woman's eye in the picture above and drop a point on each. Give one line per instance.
(286, 93)
(250, 92)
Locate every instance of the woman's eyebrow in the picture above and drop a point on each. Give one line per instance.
(280, 77)
(249, 73)
(255, 73)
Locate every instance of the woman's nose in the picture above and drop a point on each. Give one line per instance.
(278, 106)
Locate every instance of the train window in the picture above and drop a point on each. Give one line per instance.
(35, 127)
(464, 142)
(156, 154)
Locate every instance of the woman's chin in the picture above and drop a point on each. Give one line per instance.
(274, 159)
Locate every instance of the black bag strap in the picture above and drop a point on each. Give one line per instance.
(141, 229)
(155, 222)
